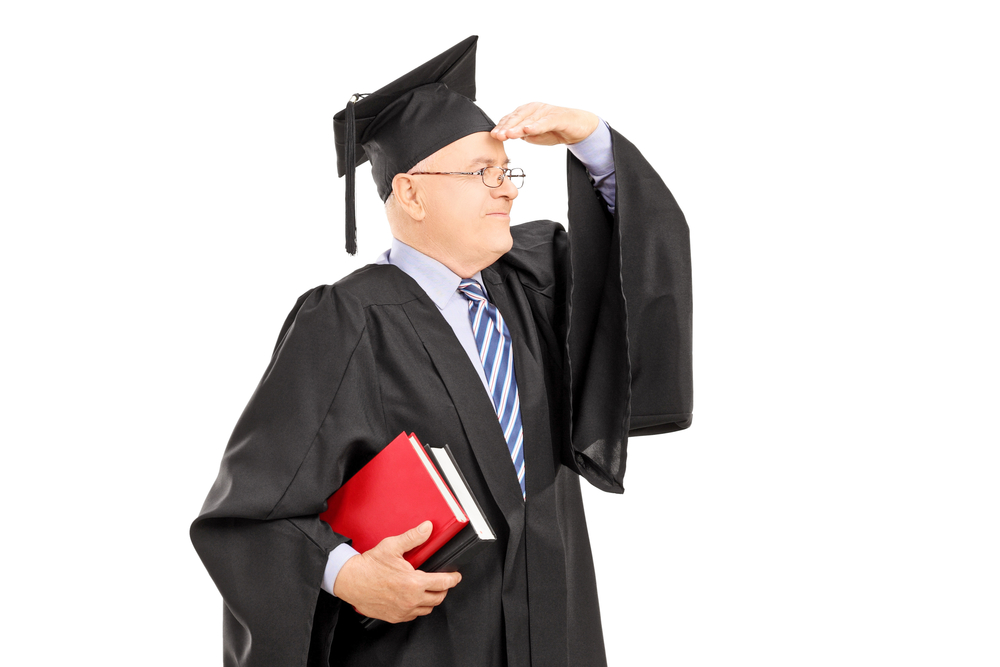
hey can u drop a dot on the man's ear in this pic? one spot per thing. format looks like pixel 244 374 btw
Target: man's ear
pixel 408 196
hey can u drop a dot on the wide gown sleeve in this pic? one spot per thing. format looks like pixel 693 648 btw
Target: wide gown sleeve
pixel 628 338
pixel 258 533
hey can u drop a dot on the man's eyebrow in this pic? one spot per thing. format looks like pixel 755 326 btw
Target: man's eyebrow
pixel 488 161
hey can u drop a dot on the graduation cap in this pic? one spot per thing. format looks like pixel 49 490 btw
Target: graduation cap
pixel 402 123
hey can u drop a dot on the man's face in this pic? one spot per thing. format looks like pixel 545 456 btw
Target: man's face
pixel 465 219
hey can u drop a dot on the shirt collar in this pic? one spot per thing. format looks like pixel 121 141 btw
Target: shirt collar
pixel 437 280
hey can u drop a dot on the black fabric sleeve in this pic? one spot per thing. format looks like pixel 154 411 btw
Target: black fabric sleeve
pixel 629 315
pixel 259 534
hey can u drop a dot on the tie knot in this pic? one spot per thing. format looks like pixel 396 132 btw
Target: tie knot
pixel 472 290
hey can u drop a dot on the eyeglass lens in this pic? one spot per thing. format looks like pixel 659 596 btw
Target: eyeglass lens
pixel 493 177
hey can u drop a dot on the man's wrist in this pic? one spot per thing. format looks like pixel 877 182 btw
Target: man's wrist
pixel 595 151
pixel 335 561
pixel 593 121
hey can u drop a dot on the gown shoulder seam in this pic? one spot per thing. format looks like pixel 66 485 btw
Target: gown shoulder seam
pixel 319 428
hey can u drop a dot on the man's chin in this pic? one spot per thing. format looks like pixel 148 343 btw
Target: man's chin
pixel 506 244
pixel 497 248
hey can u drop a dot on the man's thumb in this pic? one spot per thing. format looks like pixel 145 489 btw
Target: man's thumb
pixel 414 537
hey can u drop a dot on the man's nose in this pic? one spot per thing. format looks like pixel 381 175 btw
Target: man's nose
pixel 506 189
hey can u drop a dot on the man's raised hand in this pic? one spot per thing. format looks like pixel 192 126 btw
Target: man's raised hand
pixel 381 584
pixel 544 124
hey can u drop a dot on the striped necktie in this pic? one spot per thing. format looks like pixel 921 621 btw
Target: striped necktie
pixel 496 354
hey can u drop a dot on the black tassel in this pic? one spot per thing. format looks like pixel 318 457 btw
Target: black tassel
pixel 351 229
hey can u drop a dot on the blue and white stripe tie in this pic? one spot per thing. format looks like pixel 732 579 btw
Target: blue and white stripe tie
pixel 496 354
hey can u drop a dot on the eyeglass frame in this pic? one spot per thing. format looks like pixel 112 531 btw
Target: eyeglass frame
pixel 504 175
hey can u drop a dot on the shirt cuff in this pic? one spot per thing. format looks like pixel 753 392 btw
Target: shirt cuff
pixel 598 157
pixel 595 152
pixel 334 562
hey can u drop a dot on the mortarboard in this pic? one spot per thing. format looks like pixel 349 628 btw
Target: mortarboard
pixel 402 123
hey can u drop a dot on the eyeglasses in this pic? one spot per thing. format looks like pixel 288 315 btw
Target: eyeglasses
pixel 492 176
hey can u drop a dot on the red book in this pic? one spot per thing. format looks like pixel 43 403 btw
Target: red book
pixel 396 491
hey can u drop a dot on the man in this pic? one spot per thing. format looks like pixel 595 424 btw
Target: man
pixel 591 345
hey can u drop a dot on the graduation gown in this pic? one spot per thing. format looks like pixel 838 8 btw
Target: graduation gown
pixel 600 319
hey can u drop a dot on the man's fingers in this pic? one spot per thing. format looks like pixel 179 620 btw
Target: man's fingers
pixel 530 122
pixel 509 130
pixel 421 611
pixel 511 126
pixel 441 581
pixel 434 599
pixel 504 122
pixel 414 537
pixel 540 122
pixel 517 114
pixel 545 124
pixel 526 127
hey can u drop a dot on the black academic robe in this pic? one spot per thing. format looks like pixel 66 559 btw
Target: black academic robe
pixel 601 324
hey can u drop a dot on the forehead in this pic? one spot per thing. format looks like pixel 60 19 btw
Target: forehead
pixel 477 149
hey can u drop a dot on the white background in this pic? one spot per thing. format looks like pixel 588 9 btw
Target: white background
pixel 168 188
